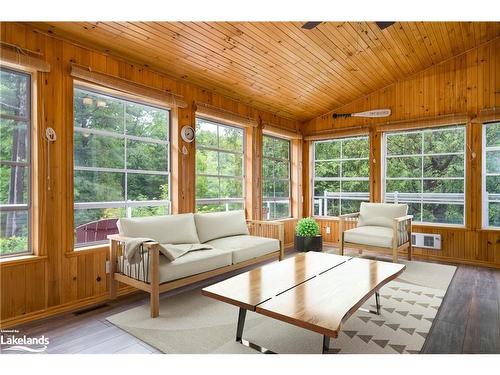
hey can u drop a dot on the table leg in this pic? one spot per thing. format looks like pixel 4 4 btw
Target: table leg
pixel 241 324
pixel 377 301
pixel 326 344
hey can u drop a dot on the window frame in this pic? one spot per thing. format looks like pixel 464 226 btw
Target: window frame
pixel 219 200
pixel 29 164
pixel 484 200
pixel 125 204
pixel 275 199
pixel 422 155
pixel 340 179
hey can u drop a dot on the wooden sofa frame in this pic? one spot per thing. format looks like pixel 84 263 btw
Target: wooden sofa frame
pixel 268 229
pixel 400 226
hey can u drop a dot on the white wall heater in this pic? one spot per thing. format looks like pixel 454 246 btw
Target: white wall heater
pixel 426 240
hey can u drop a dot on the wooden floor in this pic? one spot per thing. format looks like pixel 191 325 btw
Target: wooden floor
pixel 467 322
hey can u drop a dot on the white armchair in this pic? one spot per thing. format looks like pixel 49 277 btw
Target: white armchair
pixel 378 226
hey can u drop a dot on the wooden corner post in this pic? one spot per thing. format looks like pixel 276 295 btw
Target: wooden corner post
pixel 113 284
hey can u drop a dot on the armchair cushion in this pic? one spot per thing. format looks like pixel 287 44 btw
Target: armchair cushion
pixel 380 214
pixel 220 224
pixel 370 235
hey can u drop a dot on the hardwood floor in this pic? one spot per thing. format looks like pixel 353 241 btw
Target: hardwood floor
pixel 467 322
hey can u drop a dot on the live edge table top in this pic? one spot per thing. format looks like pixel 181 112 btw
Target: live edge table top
pixel 316 291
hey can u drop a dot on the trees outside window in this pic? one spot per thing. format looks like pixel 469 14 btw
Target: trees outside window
pixel 121 163
pixel 426 170
pixel 341 172
pixel 219 167
pixel 275 178
pixel 491 173
pixel 15 162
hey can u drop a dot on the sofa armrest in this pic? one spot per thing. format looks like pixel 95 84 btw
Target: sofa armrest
pixel 402 229
pixel 269 229
pixel 345 221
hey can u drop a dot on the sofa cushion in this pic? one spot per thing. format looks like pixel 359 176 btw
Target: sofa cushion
pixel 220 224
pixel 370 235
pixel 171 229
pixel 380 214
pixel 187 265
pixel 245 247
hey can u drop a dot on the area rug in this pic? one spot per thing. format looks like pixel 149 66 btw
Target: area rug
pixel 190 323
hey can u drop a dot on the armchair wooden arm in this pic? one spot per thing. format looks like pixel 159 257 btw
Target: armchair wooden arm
pixel 401 228
pixel 269 229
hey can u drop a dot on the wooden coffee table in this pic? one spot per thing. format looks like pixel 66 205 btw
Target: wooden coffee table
pixel 315 291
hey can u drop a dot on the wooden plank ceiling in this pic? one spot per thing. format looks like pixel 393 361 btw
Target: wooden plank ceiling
pixel 278 66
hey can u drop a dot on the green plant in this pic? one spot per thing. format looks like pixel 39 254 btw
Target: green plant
pixel 307 227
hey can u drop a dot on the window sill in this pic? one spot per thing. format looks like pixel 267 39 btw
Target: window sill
pixel 87 249
pixel 438 225
pixel 22 259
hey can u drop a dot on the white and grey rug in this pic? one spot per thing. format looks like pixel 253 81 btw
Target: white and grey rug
pixel 191 323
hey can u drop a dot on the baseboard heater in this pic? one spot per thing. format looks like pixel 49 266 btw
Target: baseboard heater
pixel 426 240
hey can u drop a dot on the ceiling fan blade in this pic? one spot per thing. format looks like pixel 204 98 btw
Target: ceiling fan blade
pixel 384 25
pixel 310 25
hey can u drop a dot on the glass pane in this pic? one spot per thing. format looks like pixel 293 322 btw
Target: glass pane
pixel 332 207
pixel 146 121
pixel 14 229
pixel 404 144
pixel 99 186
pixel 206 162
pixel 14 185
pixel 443 186
pixel 356 186
pixel 267 168
pixel 493 135
pixel 230 138
pixel 147 156
pixel 282 189
pixel 281 169
pixel 355 148
pixel 276 210
pixel 404 167
pixel 327 169
pixel 404 186
pixel 327 150
pixel 267 147
pixel 231 188
pixel 97 111
pixel 493 184
pixel 230 164
pixel 415 209
pixel 91 150
pixel 324 187
pixel 14 142
pixel 206 134
pixel 94 225
pixel 218 207
pixel 207 187
pixel 494 214
pixel 141 187
pixel 446 140
pixel 443 213
pixel 15 93
pixel 281 149
pixel 150 211
pixel 268 189
pixel 350 206
pixel 492 161
pixel 355 168
pixel 444 166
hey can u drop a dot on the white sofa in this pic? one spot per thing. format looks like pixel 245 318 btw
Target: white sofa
pixel 378 226
pixel 236 243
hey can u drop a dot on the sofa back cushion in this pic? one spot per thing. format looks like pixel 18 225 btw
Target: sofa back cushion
pixel 171 229
pixel 380 214
pixel 220 224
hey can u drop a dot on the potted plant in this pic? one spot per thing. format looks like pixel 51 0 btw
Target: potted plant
pixel 308 235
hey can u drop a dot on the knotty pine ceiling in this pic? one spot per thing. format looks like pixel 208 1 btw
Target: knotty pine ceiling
pixel 278 66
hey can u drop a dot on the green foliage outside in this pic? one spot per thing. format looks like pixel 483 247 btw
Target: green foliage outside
pixel 307 227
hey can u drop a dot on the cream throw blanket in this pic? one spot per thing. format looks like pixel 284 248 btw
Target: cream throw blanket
pixel 172 252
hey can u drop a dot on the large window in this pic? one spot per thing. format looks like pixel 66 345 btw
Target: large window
pixel 426 170
pixel 219 167
pixel 275 178
pixel 121 163
pixel 341 175
pixel 15 161
pixel 491 183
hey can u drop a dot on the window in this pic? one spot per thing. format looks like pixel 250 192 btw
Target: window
pixel 341 175
pixel 426 170
pixel 15 162
pixel 275 178
pixel 219 167
pixel 491 183
pixel 121 163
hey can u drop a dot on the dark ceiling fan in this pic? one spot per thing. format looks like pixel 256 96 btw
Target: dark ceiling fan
pixel 311 25
pixel 384 25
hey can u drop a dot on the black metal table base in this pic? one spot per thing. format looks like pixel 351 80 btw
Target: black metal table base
pixel 326 339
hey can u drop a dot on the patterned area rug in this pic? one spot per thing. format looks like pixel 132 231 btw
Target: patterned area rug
pixel 191 323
